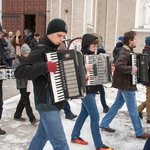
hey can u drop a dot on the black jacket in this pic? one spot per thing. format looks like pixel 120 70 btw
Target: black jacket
pixel 34 67
pixel 147 51
pixel 34 43
pixel 86 41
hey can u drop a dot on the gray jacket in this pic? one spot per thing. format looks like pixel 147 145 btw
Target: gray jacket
pixel 21 83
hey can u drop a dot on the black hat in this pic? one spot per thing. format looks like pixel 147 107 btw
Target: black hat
pixel 36 34
pixel 56 25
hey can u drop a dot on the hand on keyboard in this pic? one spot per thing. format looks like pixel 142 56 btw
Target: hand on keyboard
pixel 89 67
pixel 51 66
pixel 134 69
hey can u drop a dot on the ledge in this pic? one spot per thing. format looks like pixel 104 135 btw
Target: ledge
pixel 141 30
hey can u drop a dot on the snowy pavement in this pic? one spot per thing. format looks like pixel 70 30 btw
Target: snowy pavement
pixel 19 134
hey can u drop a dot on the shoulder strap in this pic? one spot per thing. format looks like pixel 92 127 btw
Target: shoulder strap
pixel 39 45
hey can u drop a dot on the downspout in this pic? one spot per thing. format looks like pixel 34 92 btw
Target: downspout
pixel 116 28
pixel 72 14
pixel 84 20
pixel 95 19
pixel 106 24
pixel 59 9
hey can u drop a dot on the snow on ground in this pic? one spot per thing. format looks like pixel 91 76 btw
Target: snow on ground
pixel 19 134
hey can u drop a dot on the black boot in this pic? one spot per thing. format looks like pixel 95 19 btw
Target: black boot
pixel 140 115
pixel 106 109
pixel 2 131
pixel 70 116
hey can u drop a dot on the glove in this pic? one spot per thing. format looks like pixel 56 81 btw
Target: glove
pixel 51 66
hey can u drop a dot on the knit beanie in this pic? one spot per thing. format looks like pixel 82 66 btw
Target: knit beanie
pixel 56 25
pixel 120 38
pixel 25 49
pixel 147 40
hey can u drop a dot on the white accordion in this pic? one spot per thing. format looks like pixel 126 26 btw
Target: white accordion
pixel 6 73
pixel 101 72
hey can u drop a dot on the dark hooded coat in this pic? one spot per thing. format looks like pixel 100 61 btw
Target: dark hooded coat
pixel 86 41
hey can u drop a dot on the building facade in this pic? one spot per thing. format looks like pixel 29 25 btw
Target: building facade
pixel 108 18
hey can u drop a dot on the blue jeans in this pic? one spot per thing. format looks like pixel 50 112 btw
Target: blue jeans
pixel 88 108
pixel 49 129
pixel 122 97
pixel 102 96
pixel 147 144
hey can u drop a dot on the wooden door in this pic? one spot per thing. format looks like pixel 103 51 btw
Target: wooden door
pixel 14 11
pixel 13 22
pixel 41 24
pixel 12 15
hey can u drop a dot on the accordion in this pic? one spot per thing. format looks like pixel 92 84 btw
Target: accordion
pixel 141 61
pixel 6 73
pixel 69 80
pixel 101 72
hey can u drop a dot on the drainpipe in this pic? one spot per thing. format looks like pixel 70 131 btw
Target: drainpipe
pixel 116 27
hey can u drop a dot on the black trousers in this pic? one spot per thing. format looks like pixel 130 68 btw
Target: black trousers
pixel 24 103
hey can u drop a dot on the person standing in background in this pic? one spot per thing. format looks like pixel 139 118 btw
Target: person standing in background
pixel 24 101
pixel 118 47
pixel 35 41
pixel 2 63
pixel 146 104
pixel 10 36
pixel 9 50
pixel 28 36
pixel 101 88
pixel 17 42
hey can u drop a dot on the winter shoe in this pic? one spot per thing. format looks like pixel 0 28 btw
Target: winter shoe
pixel 144 136
pixel 70 116
pixel 79 141
pixel 141 115
pixel 106 110
pixel 2 132
pixel 104 147
pixel 34 122
pixel 108 129
pixel 20 119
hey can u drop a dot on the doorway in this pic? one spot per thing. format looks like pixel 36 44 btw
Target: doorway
pixel 29 22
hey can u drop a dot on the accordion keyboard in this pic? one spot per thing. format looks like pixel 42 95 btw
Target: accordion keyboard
pixel 56 78
pixel 100 72
pixel 134 63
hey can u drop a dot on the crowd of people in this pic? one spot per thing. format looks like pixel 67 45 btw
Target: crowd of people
pixel 28 58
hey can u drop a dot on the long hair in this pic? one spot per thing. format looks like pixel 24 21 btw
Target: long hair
pixel 128 36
